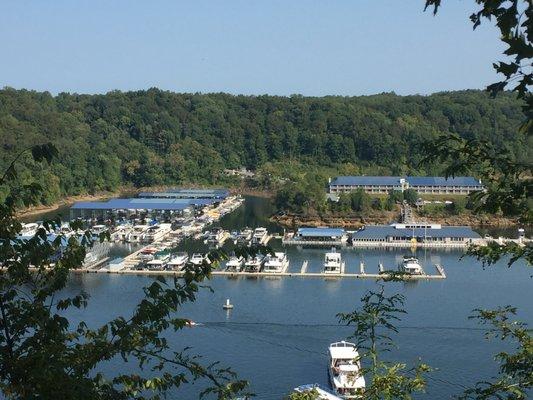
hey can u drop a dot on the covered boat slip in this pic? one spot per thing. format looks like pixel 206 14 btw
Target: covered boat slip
pixel 214 194
pixel 317 236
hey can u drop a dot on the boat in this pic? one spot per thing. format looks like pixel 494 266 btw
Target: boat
pixel 260 236
pixel 321 392
pixel 29 230
pixel 276 263
pixel 120 234
pixel 97 230
pixel 244 236
pixel 235 263
pixel 136 234
pixel 254 264
pixel 199 259
pixel 333 263
pixel 155 233
pixel 147 254
pixel 178 261
pixel 216 236
pixel 227 305
pixel 114 265
pixel 411 266
pixel 345 370
pixel 159 262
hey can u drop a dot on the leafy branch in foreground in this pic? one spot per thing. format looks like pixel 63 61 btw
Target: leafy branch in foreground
pixel 516 369
pixel 374 323
pixel 42 355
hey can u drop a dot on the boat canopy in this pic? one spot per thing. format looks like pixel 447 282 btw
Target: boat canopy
pixel 343 350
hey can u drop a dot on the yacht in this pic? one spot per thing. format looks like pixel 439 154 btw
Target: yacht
pixel 254 264
pixel 411 266
pixel 244 236
pixel 97 230
pixel 235 264
pixel 216 236
pixel 159 262
pixel 120 234
pixel 333 263
pixel 198 259
pixel 178 261
pixel 29 229
pixel 137 233
pixel 260 236
pixel 276 263
pixel 147 254
pixel 345 370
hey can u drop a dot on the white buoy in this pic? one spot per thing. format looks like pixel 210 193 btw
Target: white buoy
pixel 228 305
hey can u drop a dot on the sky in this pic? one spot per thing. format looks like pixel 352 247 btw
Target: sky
pixel 314 48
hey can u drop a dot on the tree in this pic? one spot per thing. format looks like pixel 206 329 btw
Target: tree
pixel 410 196
pixel 43 356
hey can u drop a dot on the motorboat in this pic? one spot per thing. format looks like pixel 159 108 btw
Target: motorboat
pixel 29 229
pixel 254 264
pixel 321 392
pixel 260 236
pixel 345 370
pixel 178 261
pixel 276 263
pixel 235 263
pixel 333 263
pixel 411 266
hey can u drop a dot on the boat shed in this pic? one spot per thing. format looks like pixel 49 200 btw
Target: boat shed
pixel 413 234
pixel 95 209
pixel 218 194
pixel 322 236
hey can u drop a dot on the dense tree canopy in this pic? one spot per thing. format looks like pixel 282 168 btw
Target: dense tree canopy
pixel 155 137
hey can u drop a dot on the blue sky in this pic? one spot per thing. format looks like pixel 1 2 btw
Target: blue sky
pixel 348 47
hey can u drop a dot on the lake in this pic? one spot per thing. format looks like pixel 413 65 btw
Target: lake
pixel 277 335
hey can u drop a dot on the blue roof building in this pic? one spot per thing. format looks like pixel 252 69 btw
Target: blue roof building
pixel 422 184
pixel 219 194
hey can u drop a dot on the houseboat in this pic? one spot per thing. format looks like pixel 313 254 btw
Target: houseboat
pixel 97 230
pixel 136 234
pixel 120 234
pixel 147 254
pixel 159 262
pixel 235 264
pixel 155 233
pixel 199 259
pixel 244 236
pixel 333 263
pixel 345 370
pixel 216 237
pixel 260 236
pixel 276 263
pixel 29 230
pixel 411 266
pixel 254 264
pixel 178 262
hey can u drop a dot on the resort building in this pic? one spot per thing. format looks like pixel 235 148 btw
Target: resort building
pixel 415 234
pixel 422 184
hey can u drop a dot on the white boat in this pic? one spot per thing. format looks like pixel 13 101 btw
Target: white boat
pixel 155 233
pixel 217 236
pixel 254 264
pixel 333 263
pixel 260 236
pixel 147 254
pixel 276 263
pixel 244 236
pixel 321 392
pixel 97 230
pixel 411 266
pixel 120 234
pixel 29 230
pixel 114 265
pixel 178 261
pixel 198 259
pixel 137 233
pixel 159 262
pixel 345 370
pixel 235 264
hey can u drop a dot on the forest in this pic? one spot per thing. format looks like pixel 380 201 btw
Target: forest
pixel 155 137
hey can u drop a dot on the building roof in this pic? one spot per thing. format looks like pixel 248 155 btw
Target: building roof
pixel 139 204
pixel 320 232
pixel 442 181
pixel 366 180
pixel 189 193
pixel 383 231
pixel 412 180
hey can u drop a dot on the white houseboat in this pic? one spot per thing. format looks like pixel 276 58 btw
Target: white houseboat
pixel 155 233
pixel 333 263
pixel 120 234
pixel 260 236
pixel 254 264
pixel 137 233
pixel 345 370
pixel 199 259
pixel 29 230
pixel 159 262
pixel 178 261
pixel 235 264
pixel 411 266
pixel 276 263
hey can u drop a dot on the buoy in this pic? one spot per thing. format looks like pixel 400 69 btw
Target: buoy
pixel 228 305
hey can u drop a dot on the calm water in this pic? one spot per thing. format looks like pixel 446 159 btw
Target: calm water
pixel 277 334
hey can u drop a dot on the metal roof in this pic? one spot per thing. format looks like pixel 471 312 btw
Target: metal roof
pixel 136 204
pixel 442 181
pixel 189 193
pixel 384 231
pixel 412 180
pixel 366 180
pixel 320 232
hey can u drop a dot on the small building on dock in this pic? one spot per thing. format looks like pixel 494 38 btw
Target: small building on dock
pixel 415 234
pixel 317 236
